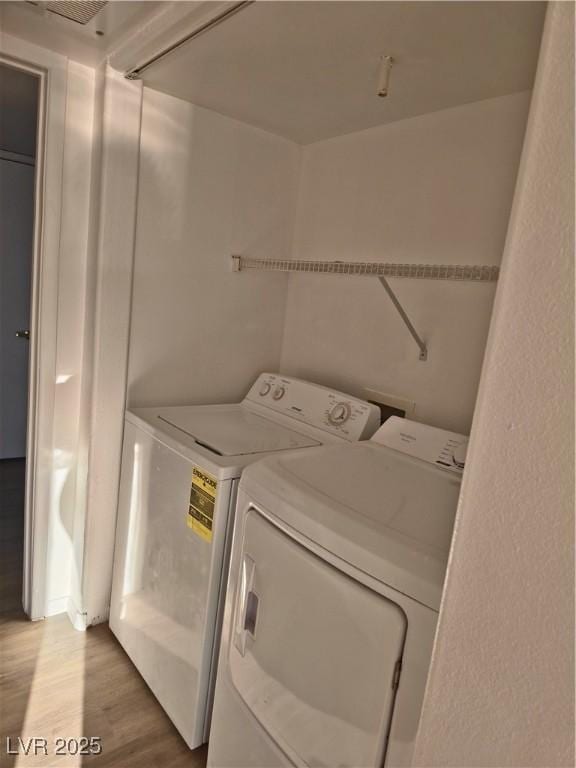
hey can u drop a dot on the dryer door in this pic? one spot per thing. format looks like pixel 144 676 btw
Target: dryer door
pixel 314 653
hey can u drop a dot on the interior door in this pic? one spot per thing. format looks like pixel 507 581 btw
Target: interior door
pixel 16 243
pixel 314 653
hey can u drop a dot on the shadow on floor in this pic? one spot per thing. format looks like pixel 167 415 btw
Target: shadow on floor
pixel 120 708
pixel 60 684
pixel 18 647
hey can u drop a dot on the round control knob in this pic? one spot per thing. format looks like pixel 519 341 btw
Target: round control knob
pixel 264 389
pixel 339 414
pixel 459 455
pixel 279 393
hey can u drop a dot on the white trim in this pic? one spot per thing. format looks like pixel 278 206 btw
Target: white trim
pixel 55 606
pixel 172 21
pixel 200 28
pixel 51 69
pixel 109 371
pixel 80 168
pixel 77 618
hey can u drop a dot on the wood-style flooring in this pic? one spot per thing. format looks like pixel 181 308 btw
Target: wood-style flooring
pixel 57 683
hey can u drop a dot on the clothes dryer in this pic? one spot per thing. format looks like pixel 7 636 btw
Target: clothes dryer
pixel 336 575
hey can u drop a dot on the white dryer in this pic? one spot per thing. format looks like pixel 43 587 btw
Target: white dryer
pixel 337 569
pixel 180 470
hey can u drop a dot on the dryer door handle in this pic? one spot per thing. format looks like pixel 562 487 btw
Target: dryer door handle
pixel 246 605
pixel 250 613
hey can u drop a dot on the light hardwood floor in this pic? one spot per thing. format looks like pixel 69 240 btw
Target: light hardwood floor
pixel 56 682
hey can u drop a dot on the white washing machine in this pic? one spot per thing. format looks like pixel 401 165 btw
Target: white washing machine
pixel 180 470
pixel 337 569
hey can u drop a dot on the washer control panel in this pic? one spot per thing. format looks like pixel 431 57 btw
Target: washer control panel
pixel 329 410
pixel 437 446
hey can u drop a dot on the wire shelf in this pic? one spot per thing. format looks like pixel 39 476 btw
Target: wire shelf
pixel 460 273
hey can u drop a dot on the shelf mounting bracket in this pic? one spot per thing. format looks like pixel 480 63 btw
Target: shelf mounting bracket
pixel 400 309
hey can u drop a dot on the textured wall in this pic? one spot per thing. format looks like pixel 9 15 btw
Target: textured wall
pixel 501 684
pixel 434 189
pixel 209 187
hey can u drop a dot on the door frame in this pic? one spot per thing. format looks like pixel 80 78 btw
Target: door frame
pixel 51 70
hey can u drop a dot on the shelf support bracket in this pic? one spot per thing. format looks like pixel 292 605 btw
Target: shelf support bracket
pixel 400 309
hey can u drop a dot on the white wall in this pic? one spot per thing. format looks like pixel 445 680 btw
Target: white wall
pixel 436 189
pixel 76 604
pixel 501 686
pixel 209 187
pixel 72 276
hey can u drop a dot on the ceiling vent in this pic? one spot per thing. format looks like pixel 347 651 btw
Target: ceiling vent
pixel 75 10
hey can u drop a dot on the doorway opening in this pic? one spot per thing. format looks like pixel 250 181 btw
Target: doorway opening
pixel 20 94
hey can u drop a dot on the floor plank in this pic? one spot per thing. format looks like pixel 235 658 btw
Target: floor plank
pixel 12 474
pixel 56 682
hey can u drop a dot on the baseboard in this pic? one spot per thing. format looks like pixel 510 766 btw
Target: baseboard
pixel 100 618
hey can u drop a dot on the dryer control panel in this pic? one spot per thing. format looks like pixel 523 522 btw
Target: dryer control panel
pixel 321 407
pixel 437 446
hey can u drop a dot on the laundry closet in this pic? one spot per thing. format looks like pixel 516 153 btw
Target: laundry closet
pixel 300 280
pixel 265 137
pixel 324 192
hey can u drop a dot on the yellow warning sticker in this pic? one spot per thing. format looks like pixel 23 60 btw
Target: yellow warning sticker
pixel 202 503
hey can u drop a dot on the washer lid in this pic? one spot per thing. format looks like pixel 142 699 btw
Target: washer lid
pixel 230 430
pixel 384 512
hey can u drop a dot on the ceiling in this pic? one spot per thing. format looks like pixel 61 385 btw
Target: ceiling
pixel 88 43
pixel 309 70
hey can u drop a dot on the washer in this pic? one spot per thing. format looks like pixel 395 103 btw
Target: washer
pixel 180 471
pixel 336 575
